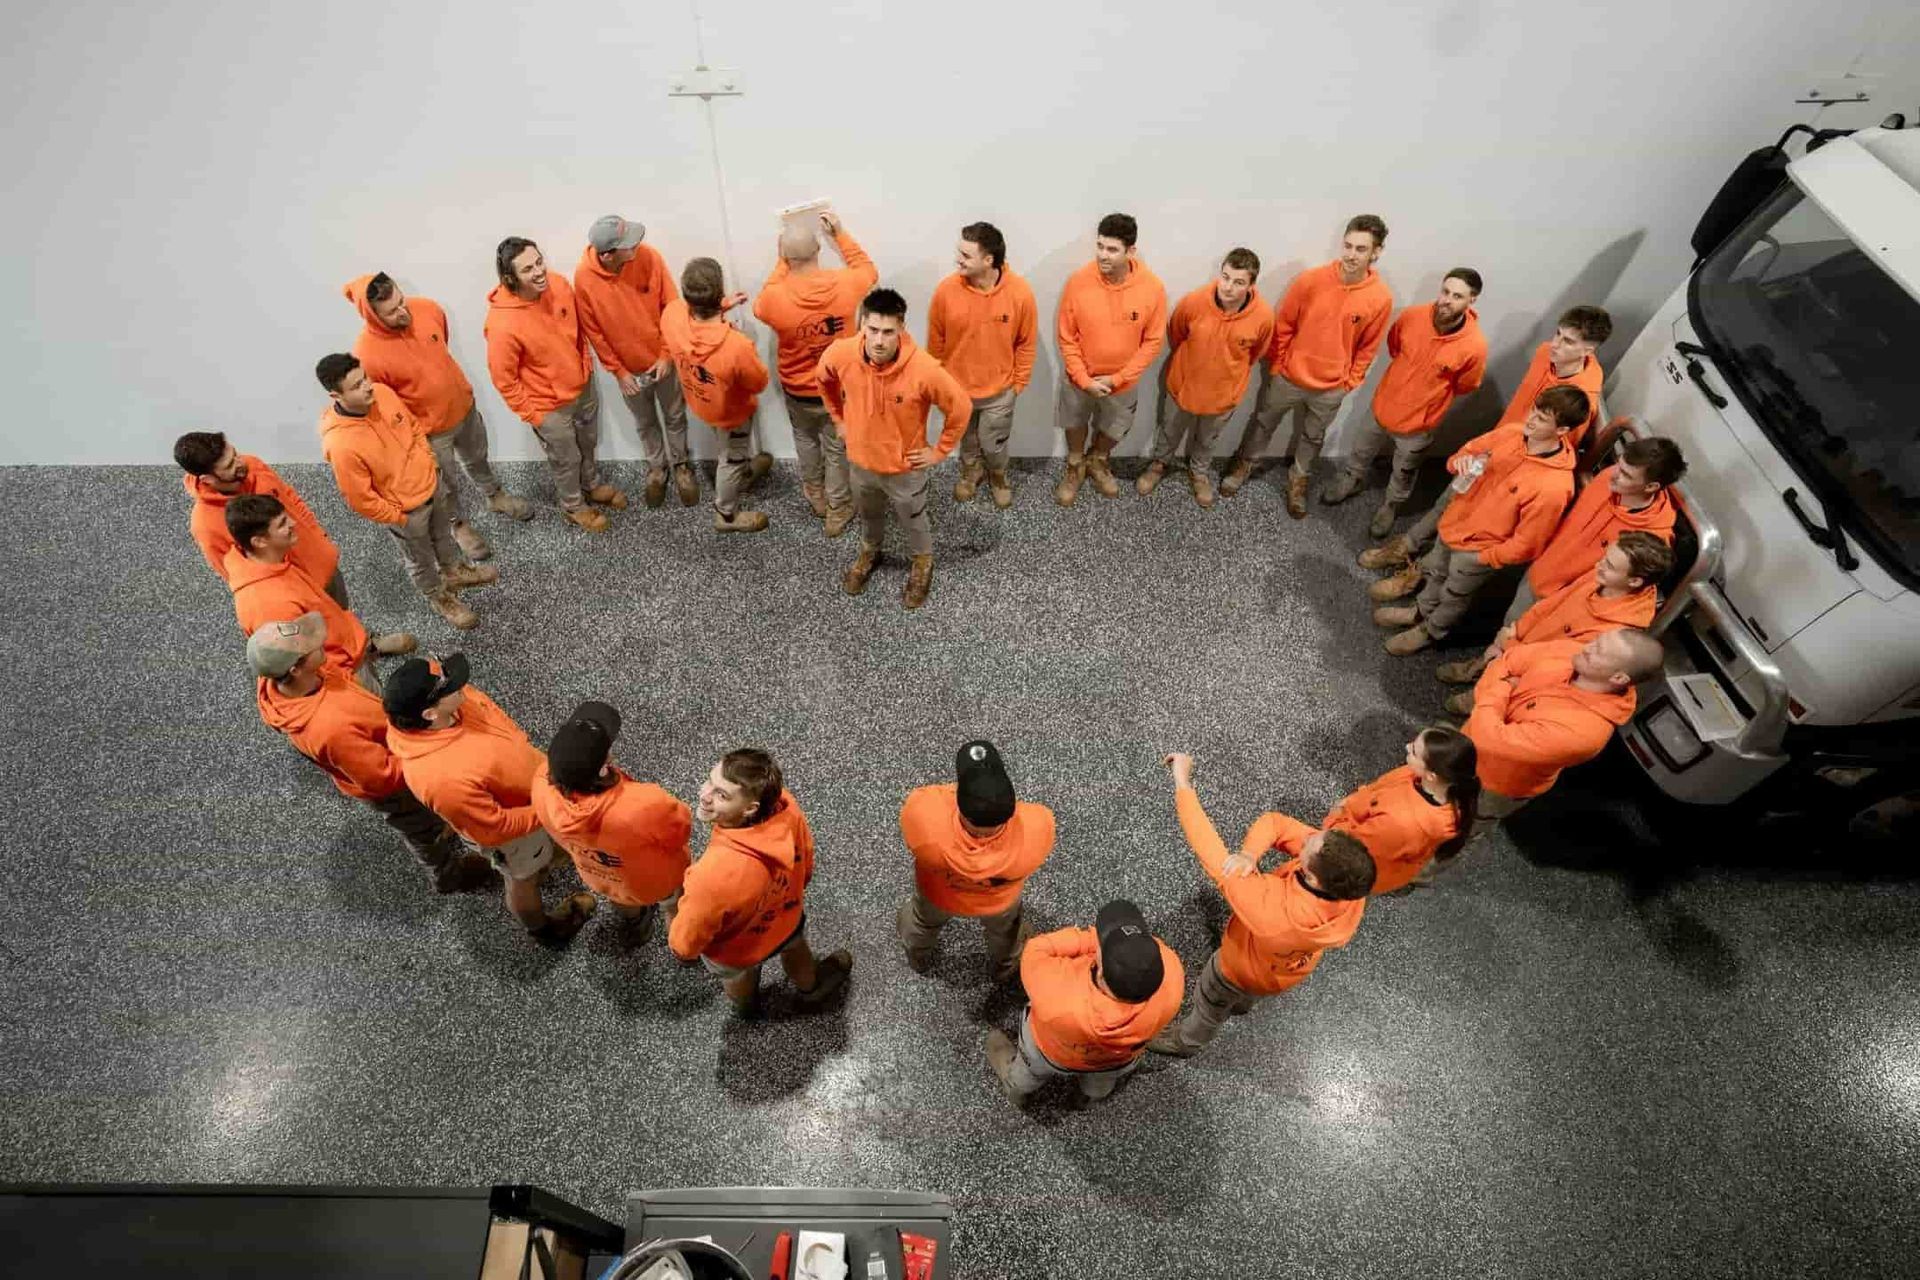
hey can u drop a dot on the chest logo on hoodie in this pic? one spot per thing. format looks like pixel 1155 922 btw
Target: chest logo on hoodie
pixel 1133 317
pixel 701 375
pixel 899 399
pixel 1004 318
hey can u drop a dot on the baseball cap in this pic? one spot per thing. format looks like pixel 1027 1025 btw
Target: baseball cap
pixel 1130 961
pixel 417 684
pixel 277 647
pixel 985 791
pixel 615 232
pixel 580 745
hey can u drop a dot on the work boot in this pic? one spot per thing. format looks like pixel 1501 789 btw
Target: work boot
pixel 460 872
pixel 816 496
pixel 1000 1055
pixel 1100 471
pixel 1412 640
pixel 448 606
pixel 393 643
pixel 686 485
pixel 854 581
pixel 969 482
pixel 1201 486
pixel 470 575
pixel 918 961
pixel 1344 486
pixel 1069 487
pixel 740 522
pixel 656 490
pixel 636 927
pixel 607 496
pixel 587 518
pixel 1170 1043
pixel 472 545
pixel 1150 478
pixel 573 915
pixel 1465 671
pixel 1236 478
pixel 1382 523
pixel 1397 585
pixel 1297 497
pixel 838 518
pixel 758 468
pixel 505 504
pixel 1001 487
pixel 1391 554
pixel 919 582
pixel 828 977
pixel 1396 616
pixel 1461 703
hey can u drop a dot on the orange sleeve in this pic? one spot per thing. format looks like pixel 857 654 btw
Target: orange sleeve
pixel 1393 335
pixel 597 336
pixel 1026 330
pixel 1534 742
pixel 1066 332
pixel 937 323
pixel 504 358
pixel 1274 831
pixel 1540 513
pixel 663 280
pixel 1154 339
pixel 1181 324
pixel 296 505
pixel 355 480
pixel 368 763
pixel 764 301
pixel 1044 953
pixel 750 372
pixel 484 819
pixel 1369 345
pixel 203 540
pixel 956 407
pixel 856 259
pixel 832 394
pixel 1482 443
pixel 1258 896
pixel 1471 374
pixel 700 919
pixel 1286 322
pixel 1493 690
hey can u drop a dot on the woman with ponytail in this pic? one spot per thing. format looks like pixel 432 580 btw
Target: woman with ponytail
pixel 1421 811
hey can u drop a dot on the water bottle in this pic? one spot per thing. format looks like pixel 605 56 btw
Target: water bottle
pixel 1475 465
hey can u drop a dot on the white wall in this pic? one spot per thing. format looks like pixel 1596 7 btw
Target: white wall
pixel 192 183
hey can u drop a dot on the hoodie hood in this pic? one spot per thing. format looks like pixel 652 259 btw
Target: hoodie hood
pixel 1117 1021
pixel 1002 855
pixel 501 298
pixel 289 715
pixel 1318 921
pixel 880 382
pixel 420 744
pixel 773 841
pixel 356 291
pixel 200 489
pixel 698 338
pixel 244 571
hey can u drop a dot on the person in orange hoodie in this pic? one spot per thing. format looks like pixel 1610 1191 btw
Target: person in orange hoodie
pixel 1437 353
pixel 539 357
pixel 1519 479
pixel 470 763
pixel 628 839
pixel 1542 708
pixel 809 307
pixel 1111 325
pixel 982 325
pixel 745 899
pixel 1283 920
pixel 1418 814
pixel 217 472
pixel 1216 334
pixel 385 469
pixel 1622 590
pixel 879 388
pixel 342 728
pixel 721 376
pixel 1567 359
pixel 973 844
pixel 623 287
pixel 1095 998
pixel 1326 329
pixel 268 587
pixel 403 344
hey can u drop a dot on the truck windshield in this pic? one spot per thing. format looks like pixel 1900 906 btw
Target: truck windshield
pixel 1819 345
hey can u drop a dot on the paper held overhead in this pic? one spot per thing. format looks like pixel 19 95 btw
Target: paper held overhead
pixel 806 214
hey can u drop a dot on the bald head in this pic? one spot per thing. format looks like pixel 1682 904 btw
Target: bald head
pixel 799 243
pixel 1619 659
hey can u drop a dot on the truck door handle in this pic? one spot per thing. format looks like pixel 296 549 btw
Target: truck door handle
pixel 1821 535
pixel 1698 373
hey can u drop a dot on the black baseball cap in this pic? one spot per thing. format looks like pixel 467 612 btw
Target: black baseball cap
pixel 580 745
pixel 985 791
pixel 1130 961
pixel 417 684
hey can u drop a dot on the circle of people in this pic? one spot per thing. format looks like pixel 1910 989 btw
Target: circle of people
pixel 462 784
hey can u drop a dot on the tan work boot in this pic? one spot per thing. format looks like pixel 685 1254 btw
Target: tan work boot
pixel 1344 486
pixel 1297 497
pixel 1100 471
pixel 656 490
pixel 505 504
pixel 1069 487
pixel 393 643
pixel 919 582
pixel 1412 640
pixel 829 975
pixel 448 606
pixel 1000 1055
pixel 838 518
pixel 1461 703
pixel 686 485
pixel 1150 478
pixel 1001 488
pixel 854 581
pixel 740 522
pixel 918 961
pixel 1396 616
pixel 1391 554
pixel 589 519
pixel 563 924
pixel 816 496
pixel 607 496
pixel 469 575
pixel 472 545
pixel 1465 671
pixel 761 464
pixel 969 482
pixel 1170 1043
pixel 1236 478
pixel 1397 585
pixel 1201 486
pixel 1382 523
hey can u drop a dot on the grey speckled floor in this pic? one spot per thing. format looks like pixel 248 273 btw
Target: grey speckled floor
pixel 1610 1046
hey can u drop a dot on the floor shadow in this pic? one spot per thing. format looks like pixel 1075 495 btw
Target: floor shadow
pixel 774 1053
pixel 1103 1140
pixel 499 946
pixel 644 979
pixel 371 872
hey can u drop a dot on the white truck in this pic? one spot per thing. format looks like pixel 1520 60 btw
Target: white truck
pixel 1788 369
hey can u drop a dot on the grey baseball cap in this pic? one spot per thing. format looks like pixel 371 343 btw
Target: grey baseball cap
pixel 275 648
pixel 615 232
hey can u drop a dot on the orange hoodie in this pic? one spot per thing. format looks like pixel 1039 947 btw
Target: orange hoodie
pixel 1427 369
pixel 1325 332
pixel 1111 330
pixel 1529 721
pixel 1076 1025
pixel 1213 352
pixel 1279 927
pixel 985 338
pixel 809 312
pixel 883 412
pixel 1579 612
pixel 1540 375
pixel 620 310
pixel 342 728
pixel 264 592
pixel 746 895
pixel 381 461
pixel 414 361
pixel 628 842
pixel 1400 826
pixel 536 351
pixel 478 775
pixel 1596 518
pixel 313 551
pixel 965 874
pixel 1512 509
pixel 720 372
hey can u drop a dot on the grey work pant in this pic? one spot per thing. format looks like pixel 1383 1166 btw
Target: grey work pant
pixel 1109 416
pixel 1452 579
pixel 1523 600
pixel 1005 932
pixel 426 541
pixel 570 435
pixel 905 493
pixel 988 431
pixel 1313 411
pixel 337 588
pixel 1427 527
pixel 425 831
pixel 1199 430
pixel 821 452
pixel 468 442
pixel 1031 1069
pixel 660 412
pixel 1409 451
pixel 736 465
pixel 1214 1001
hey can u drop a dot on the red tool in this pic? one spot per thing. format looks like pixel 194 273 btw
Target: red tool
pixel 782 1257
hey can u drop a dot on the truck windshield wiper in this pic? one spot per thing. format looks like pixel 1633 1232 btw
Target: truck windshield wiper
pixel 1826 535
